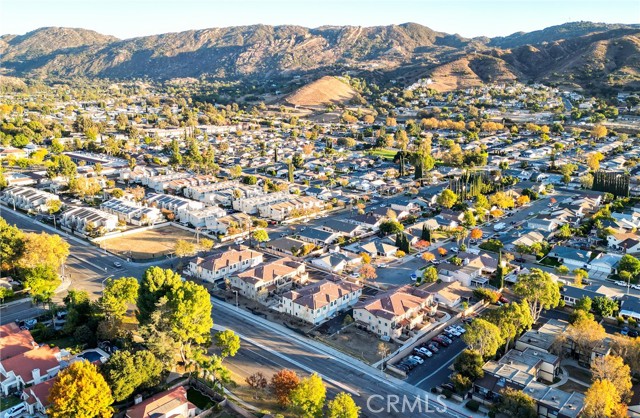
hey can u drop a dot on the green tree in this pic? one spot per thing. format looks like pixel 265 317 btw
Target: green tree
pixel 235 171
pixel 512 319
pixel 297 160
pixel 42 281
pixel 117 294
pixel 447 198
pixel 80 391
pixel 184 248
pixel 391 227
pixel 61 165
pixel 190 318
pixel 156 283
pixel 228 342
pixel 540 290
pixel 484 337
pixel 125 372
pixel 307 399
pixel 11 245
pixel 605 307
pixel 430 275
pixel 342 406
pixel 53 206
pixel 469 219
pixel 260 235
pixel 469 363
pixel 516 403
pixel 564 232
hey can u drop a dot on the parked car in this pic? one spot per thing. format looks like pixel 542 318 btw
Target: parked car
pixel 624 331
pixel 15 410
pixel 446 339
pixel 621 283
pixel 503 299
pixel 633 286
pixel 433 347
pixel 633 333
pixel 414 277
pixel 448 386
pixel 416 359
pixel 461 329
pixel 423 351
pixel 455 249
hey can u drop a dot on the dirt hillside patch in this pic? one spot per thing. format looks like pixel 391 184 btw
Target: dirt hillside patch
pixel 324 91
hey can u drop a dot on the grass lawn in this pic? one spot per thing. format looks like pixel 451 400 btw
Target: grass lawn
pixel 384 153
pixel 60 341
pixel 579 374
pixel 8 402
pixel 550 262
pixel 198 399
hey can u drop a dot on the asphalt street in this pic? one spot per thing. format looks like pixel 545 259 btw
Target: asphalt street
pixel 265 345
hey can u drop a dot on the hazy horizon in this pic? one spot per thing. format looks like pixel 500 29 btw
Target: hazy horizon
pixel 130 19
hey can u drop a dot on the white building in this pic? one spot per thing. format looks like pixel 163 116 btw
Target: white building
pixel 220 266
pixel 318 302
pixel 267 279
pixel 79 217
pixel 205 218
pixel 132 212
pixel 178 205
pixel 28 198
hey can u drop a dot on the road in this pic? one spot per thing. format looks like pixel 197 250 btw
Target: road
pixel 87 266
pixel 272 349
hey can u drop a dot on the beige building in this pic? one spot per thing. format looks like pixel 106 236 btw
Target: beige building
pixel 223 265
pixel 319 301
pixel 267 279
pixel 392 313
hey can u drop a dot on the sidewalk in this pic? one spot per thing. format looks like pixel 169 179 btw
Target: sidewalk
pixel 453 409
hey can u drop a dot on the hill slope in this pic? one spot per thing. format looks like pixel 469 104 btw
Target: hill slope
pixel 326 90
pixel 403 52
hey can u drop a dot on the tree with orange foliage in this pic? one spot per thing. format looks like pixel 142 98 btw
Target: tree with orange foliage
pixel 368 272
pixel 442 251
pixel 523 200
pixel 476 233
pixel 428 257
pixel 283 383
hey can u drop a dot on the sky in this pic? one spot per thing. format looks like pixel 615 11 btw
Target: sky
pixel 469 18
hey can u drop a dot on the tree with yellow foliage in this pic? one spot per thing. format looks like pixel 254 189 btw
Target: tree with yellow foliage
pixel 603 400
pixel 599 131
pixel 613 369
pixel 593 160
pixel 80 391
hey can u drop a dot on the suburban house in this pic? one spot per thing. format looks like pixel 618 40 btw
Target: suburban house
pixel 542 223
pixel 292 207
pixel 377 248
pixel 469 276
pixel 627 242
pixel 366 221
pixel 206 217
pixel 36 397
pixel 267 279
pixel 79 218
pixel 230 224
pixel 285 245
pixel 571 294
pixel 342 228
pixel 450 294
pixel 630 307
pixel 573 258
pixel 395 312
pixel 168 404
pixel 318 302
pixel 222 265
pixel 543 338
pixel 24 362
pixel 336 261
pixel 28 198
pixel 318 237
pixel 527 239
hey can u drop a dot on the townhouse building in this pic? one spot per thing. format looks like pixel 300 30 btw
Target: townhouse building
pixel 270 278
pixel 28 198
pixel 131 212
pixel 79 218
pixel 222 265
pixel 179 206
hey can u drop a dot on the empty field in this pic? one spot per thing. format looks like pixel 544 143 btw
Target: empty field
pixel 147 244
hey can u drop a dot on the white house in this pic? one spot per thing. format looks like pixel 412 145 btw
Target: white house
pixel 222 265
pixel 394 312
pixel 79 218
pixel 28 198
pixel 317 302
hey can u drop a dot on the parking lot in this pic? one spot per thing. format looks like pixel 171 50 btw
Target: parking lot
pixel 435 370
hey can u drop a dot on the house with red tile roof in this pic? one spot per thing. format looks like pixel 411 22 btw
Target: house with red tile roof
pixel 36 397
pixel 395 311
pixel 29 368
pixel 14 341
pixel 223 265
pixel 259 282
pixel 317 302
pixel 169 404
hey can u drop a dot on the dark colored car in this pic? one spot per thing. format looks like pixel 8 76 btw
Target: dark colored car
pixel 503 299
pixel 433 347
pixel 448 386
pixel 633 333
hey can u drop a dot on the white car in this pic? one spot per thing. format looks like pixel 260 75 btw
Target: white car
pixel 16 410
pixel 455 249
pixel 355 275
pixel 621 283
pixel 635 286
pixel 460 329
pixel 117 264
pixel 416 359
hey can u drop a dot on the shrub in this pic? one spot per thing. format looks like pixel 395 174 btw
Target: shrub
pixel 487 295
pixel 473 405
pixel 632 322
pixel 620 320
pixel 447 393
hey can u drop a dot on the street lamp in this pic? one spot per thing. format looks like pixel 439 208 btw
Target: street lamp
pixel 236 292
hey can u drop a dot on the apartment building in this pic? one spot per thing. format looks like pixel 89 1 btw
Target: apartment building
pixel 79 218
pixel 267 279
pixel 178 205
pixel 394 312
pixel 250 205
pixel 132 212
pixel 318 302
pixel 222 265
pixel 206 217
pixel 27 198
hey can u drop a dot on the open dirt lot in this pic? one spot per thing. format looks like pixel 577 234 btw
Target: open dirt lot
pixel 148 244
pixel 358 343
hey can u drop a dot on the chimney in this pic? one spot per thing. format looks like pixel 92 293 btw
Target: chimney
pixel 137 399
pixel 36 374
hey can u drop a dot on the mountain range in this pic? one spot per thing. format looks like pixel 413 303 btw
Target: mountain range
pixel 582 54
